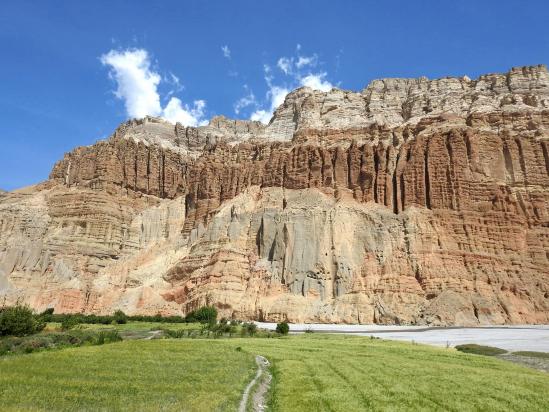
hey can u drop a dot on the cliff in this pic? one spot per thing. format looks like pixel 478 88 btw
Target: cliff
pixel 413 201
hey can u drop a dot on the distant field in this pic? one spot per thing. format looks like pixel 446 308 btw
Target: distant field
pixel 312 372
pixel 137 330
pixel 145 326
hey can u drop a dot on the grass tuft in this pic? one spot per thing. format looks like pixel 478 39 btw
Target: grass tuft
pixel 480 349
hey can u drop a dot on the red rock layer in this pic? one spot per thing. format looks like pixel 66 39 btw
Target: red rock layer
pixel 461 168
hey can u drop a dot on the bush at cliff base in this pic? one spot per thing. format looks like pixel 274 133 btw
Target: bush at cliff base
pixel 283 328
pixel 19 321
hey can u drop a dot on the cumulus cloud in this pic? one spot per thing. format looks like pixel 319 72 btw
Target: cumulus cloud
pixel 226 51
pixel 137 85
pixel 316 81
pixel 298 70
pixel 175 111
pixel 276 96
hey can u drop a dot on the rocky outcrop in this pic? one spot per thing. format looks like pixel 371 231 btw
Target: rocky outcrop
pixel 413 201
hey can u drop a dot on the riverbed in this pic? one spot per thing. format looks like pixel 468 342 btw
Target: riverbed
pixel 511 338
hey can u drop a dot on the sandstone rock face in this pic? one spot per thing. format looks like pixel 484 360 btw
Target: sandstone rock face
pixel 413 201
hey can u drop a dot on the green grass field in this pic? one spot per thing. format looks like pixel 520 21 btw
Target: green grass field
pixel 312 372
pixel 130 330
pixel 132 376
pixel 131 326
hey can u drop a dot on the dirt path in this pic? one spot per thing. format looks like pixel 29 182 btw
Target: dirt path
pixel 264 378
pixel 153 334
pixel 531 362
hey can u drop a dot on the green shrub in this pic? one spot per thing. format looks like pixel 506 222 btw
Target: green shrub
pixel 19 321
pixel 250 328
pixel 282 328
pixel 69 322
pixel 108 336
pixel 175 334
pixel 47 315
pixel 205 314
pixel 120 317
pixel 52 340
pixel 480 349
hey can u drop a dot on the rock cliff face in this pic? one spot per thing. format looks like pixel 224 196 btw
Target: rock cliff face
pixel 413 201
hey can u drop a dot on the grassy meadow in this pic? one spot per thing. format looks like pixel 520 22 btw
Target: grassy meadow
pixel 134 375
pixel 131 330
pixel 312 372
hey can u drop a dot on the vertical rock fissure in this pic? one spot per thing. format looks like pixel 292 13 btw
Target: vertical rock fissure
pixel 310 175
pixel 386 190
pixel 285 238
pixel 162 174
pixel 469 150
pixel 402 193
pixel 510 174
pixel 395 187
pixel 148 169
pixel 333 157
pixel 135 169
pixel 259 238
pixel 124 177
pixel 450 176
pixel 284 186
pixel 521 161
pixel 360 179
pixel 545 156
pixel 349 161
pixel 376 168
pixel 334 259
pixel 322 161
pixel 427 179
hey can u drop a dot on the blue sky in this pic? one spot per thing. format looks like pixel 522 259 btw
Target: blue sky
pixel 71 71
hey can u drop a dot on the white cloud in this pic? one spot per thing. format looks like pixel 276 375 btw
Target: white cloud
pixel 175 111
pixel 297 72
pixel 173 80
pixel 285 64
pixel 276 96
pixel 317 82
pixel 303 61
pixel 246 101
pixel 262 116
pixel 137 85
pixel 226 51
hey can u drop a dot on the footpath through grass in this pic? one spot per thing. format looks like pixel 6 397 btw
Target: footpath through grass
pixel 312 372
